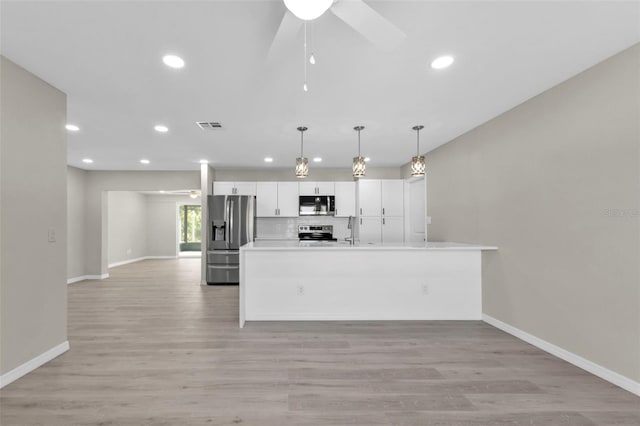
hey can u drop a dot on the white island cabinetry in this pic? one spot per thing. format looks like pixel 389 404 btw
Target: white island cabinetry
pixel 427 281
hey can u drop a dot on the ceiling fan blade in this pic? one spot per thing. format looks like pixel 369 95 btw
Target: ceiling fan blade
pixel 369 23
pixel 285 36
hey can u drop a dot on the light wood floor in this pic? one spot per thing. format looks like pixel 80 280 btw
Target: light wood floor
pixel 149 346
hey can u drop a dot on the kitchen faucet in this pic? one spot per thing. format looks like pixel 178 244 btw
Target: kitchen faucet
pixel 350 227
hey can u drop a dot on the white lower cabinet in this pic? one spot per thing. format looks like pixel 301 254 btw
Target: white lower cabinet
pixel 370 230
pixel 277 199
pixel 392 229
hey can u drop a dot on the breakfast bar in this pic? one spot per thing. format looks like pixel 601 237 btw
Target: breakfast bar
pixel 324 281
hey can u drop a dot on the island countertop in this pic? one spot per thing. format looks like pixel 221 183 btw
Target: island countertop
pixel 287 245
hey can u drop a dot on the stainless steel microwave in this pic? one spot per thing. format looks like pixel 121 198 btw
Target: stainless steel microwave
pixel 317 205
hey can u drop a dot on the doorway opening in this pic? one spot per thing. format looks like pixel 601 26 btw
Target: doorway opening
pixel 190 219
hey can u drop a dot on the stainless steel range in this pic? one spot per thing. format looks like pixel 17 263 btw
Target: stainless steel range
pixel 316 233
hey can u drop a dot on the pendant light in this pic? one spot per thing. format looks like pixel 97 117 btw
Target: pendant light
pixel 308 10
pixel 418 166
pixel 302 164
pixel 359 165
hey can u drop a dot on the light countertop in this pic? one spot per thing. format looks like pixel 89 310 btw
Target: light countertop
pixel 288 245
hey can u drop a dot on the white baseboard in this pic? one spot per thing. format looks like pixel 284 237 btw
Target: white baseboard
pixel 125 262
pixel 593 368
pixel 29 366
pixel 138 259
pixel 87 277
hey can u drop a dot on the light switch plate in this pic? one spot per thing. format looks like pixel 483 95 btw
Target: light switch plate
pixel 52 235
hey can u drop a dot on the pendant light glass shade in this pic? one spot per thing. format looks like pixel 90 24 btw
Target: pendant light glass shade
pixel 302 163
pixel 418 166
pixel 359 165
pixel 302 167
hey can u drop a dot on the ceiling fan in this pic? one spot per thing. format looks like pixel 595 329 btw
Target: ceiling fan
pixel 355 13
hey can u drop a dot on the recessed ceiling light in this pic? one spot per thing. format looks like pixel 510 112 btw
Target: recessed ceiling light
pixel 87 160
pixel 160 128
pixel 442 62
pixel 72 127
pixel 268 160
pixel 204 161
pixel 317 160
pixel 367 159
pixel 173 61
pixel 145 161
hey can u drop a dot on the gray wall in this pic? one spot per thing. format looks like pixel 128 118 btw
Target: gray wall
pixel 76 179
pixel 162 223
pixel 127 226
pixel 554 183
pixel 98 183
pixel 315 174
pixel 33 183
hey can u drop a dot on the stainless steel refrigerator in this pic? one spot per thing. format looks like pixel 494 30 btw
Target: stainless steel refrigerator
pixel 231 224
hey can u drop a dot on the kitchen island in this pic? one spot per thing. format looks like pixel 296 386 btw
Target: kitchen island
pixel 321 281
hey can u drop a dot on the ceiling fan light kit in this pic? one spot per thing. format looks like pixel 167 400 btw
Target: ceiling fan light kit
pixel 308 10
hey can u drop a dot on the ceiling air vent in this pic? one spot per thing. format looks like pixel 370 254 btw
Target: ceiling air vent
pixel 209 125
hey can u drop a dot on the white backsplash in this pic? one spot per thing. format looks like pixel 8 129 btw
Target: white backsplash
pixel 287 227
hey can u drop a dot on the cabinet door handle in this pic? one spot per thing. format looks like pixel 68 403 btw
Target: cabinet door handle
pixel 360 210
pixel 360 221
pixel 383 210
pixel 383 221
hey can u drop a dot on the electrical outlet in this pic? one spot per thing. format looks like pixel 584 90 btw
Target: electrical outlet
pixel 425 289
pixel 300 290
pixel 52 235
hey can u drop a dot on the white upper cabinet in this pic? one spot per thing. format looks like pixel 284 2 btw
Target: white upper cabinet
pixel 369 198
pixel 288 201
pixel 345 199
pixel 234 188
pixel 316 188
pixel 277 199
pixel 392 194
pixel 267 199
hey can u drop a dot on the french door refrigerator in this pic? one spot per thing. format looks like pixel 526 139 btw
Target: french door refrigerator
pixel 231 224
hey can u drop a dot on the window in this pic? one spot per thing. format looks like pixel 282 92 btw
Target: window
pixel 190 224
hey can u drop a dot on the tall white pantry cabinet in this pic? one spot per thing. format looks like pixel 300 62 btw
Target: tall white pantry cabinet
pixel 381 211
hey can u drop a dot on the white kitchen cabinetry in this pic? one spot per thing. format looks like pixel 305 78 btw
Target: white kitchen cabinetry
pixel 370 229
pixel 393 229
pixel 381 211
pixel 369 198
pixel 316 188
pixel 234 188
pixel 345 199
pixel 277 199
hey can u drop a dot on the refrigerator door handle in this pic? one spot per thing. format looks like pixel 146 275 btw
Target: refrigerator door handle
pixel 231 213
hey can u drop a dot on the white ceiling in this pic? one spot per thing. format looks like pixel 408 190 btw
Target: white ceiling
pixel 107 57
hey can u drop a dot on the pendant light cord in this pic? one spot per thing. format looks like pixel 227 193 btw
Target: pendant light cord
pixel 301 144
pixel 358 143
pixel 418 143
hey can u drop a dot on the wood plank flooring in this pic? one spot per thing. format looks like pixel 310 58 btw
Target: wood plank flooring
pixel 150 346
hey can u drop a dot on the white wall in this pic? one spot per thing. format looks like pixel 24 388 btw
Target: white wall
pixel 127 225
pixel 33 191
pixel 163 228
pixel 76 211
